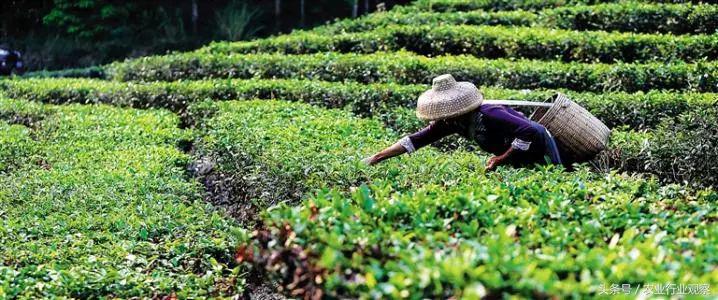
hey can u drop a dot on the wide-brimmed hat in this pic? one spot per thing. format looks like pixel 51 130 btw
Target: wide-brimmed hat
pixel 448 98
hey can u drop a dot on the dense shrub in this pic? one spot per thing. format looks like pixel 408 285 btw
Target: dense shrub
pixel 89 72
pixel 494 5
pixel 16 145
pixel 491 42
pixel 435 225
pixel 103 208
pixel 635 17
pixel 683 149
pixel 636 110
pixel 627 17
pixel 405 68
pixel 396 17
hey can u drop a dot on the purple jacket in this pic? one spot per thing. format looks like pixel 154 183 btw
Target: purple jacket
pixel 495 128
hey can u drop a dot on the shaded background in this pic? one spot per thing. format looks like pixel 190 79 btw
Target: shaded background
pixel 57 34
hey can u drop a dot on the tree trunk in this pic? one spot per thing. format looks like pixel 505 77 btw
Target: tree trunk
pixel 195 16
pixel 277 14
pixel 355 9
pixel 366 6
pixel 302 14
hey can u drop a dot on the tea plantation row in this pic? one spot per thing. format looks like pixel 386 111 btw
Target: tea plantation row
pixel 491 42
pixel 497 5
pixel 406 68
pixel 676 158
pixel 622 16
pixel 635 110
pixel 95 202
pixel 434 224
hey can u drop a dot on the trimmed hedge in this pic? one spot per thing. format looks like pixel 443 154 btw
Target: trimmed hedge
pixel 89 72
pixel 624 16
pixel 638 110
pixel 636 17
pixel 16 145
pixel 494 5
pixel 682 149
pixel 490 42
pixel 103 208
pixel 399 17
pixel 435 225
pixel 405 68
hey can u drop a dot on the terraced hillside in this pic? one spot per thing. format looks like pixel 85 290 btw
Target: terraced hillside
pixel 235 170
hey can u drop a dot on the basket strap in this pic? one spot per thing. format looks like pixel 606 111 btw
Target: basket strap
pixel 517 103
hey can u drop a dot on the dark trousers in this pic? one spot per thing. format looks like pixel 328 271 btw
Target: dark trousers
pixel 542 151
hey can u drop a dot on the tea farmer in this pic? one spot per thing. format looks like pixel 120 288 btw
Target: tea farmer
pixel 456 107
pixel 10 60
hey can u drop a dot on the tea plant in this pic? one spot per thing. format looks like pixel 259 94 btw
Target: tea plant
pixel 99 206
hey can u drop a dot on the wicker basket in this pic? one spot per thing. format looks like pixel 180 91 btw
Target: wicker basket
pixel 579 134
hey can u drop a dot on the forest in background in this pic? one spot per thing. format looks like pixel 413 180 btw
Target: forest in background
pixel 57 34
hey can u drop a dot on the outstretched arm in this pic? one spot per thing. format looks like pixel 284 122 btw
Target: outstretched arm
pixel 408 144
pixel 388 152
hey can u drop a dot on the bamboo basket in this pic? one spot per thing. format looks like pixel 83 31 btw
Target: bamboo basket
pixel 578 133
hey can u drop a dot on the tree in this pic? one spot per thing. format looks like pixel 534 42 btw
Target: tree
pixel 302 14
pixel 90 19
pixel 195 16
pixel 277 15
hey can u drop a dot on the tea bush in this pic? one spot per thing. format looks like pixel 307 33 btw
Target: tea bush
pixel 434 224
pixel 636 110
pixel 490 42
pixel 100 206
pixel 682 150
pixel 495 5
pixel 635 17
pixel 622 16
pixel 15 143
pixel 405 68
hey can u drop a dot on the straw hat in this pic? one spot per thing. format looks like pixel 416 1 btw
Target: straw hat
pixel 448 98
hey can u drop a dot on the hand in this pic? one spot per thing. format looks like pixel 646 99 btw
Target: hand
pixel 369 161
pixel 493 163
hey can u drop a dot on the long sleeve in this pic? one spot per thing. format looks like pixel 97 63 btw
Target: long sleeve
pixel 520 127
pixel 432 133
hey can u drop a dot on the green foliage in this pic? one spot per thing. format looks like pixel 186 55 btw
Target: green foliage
pixel 682 149
pixel 406 68
pixel 236 21
pixel 635 17
pixel 491 42
pixel 96 201
pixel 89 19
pixel 89 72
pixel 435 225
pixel 103 208
pixel 636 110
pixel 495 5
pixel 16 145
pixel 623 16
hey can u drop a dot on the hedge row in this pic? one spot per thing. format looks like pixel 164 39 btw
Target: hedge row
pixel 405 68
pixel 89 72
pixel 435 225
pixel 636 17
pixel 490 42
pixel 682 149
pixel 495 5
pixel 637 110
pixel 15 143
pixel 624 16
pixel 103 208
